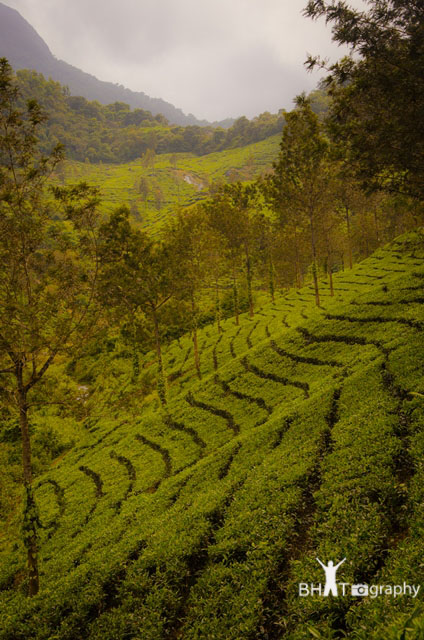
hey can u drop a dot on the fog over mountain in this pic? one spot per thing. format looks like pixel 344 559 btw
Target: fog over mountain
pixel 214 59
pixel 25 49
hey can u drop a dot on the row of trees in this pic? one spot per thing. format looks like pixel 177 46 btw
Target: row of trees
pixel 306 219
pixel 65 274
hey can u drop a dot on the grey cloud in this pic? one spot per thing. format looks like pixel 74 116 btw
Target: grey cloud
pixel 214 58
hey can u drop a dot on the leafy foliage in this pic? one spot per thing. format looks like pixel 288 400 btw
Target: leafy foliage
pixel 377 93
pixel 116 133
pixel 165 517
pixel 39 256
pixel 188 497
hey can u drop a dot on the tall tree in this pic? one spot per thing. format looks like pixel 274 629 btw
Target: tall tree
pixel 148 159
pixel 143 189
pixel 159 198
pixel 218 211
pixel 230 212
pixel 188 239
pixel 350 199
pixel 266 236
pixel 300 186
pixel 243 200
pixel 48 273
pixel 331 240
pixel 378 91
pixel 137 277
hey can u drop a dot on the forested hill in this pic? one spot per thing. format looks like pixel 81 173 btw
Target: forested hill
pixel 25 49
pixel 103 122
pixel 116 133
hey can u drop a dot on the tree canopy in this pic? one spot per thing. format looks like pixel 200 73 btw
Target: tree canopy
pixel 378 91
pixel 48 273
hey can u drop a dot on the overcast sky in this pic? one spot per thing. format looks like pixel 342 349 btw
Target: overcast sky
pixel 213 58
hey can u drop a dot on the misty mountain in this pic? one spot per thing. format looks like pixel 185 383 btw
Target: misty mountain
pixel 25 49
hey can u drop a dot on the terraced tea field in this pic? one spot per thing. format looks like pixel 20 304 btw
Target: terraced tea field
pixel 175 180
pixel 304 438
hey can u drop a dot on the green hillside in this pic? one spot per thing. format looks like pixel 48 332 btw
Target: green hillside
pixel 304 438
pixel 181 178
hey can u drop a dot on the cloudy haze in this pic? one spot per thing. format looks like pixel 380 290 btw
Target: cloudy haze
pixel 213 58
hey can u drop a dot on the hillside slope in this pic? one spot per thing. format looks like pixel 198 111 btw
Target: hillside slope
pixel 304 438
pixel 178 179
pixel 25 49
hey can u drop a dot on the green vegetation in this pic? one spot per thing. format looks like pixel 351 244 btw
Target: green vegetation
pixel 201 521
pixel 193 412
pixel 181 178
pixel 115 133
pixel 37 260
pixel 377 94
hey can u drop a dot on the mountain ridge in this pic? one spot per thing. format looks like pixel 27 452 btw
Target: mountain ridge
pixel 25 49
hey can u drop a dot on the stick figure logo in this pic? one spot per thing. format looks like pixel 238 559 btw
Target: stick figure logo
pixel 330 577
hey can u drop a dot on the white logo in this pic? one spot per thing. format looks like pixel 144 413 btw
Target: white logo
pixel 330 577
pixel 359 589
pixel 335 589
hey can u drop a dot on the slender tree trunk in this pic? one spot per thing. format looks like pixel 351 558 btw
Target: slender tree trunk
pixel 330 275
pixel 349 239
pixel 316 287
pixel 298 275
pixel 367 249
pixel 30 517
pixel 195 342
pixel 161 372
pixel 249 280
pixel 315 265
pixel 235 297
pixel 218 306
pixel 329 263
pixel 271 279
pixel 377 230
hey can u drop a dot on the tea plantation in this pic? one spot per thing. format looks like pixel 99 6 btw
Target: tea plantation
pixel 303 439
pixel 179 179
